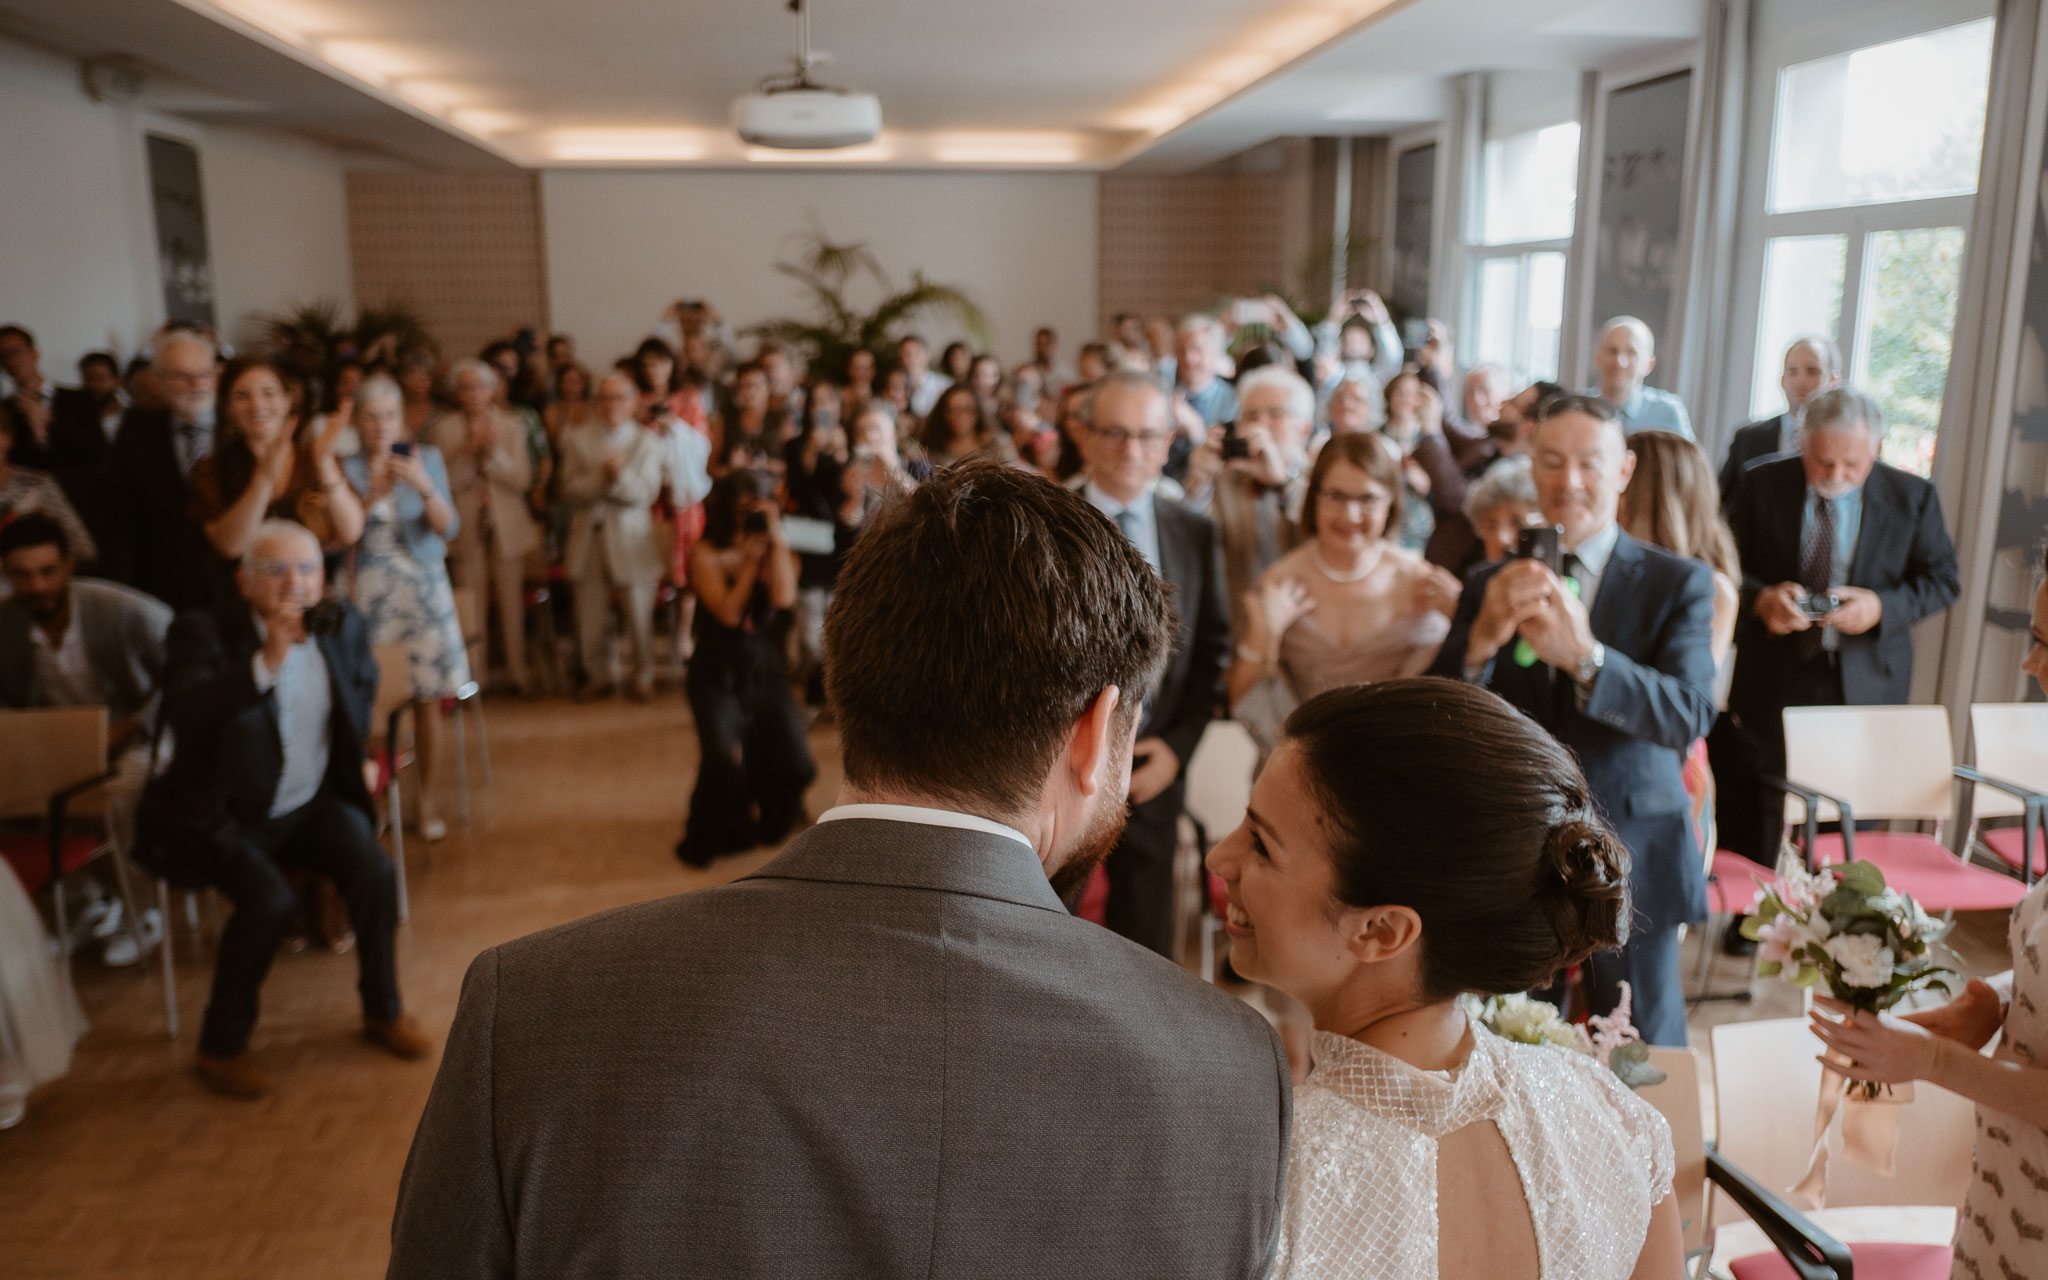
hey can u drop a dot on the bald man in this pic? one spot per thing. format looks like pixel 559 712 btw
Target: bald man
pixel 1812 365
pixel 1624 358
pixel 269 704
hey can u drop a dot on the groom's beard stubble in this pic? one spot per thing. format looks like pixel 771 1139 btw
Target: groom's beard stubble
pixel 1095 843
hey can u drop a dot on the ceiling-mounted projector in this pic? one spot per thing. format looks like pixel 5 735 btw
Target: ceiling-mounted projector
pixel 796 113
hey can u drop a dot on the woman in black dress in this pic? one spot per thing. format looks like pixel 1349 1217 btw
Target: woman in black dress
pixel 754 763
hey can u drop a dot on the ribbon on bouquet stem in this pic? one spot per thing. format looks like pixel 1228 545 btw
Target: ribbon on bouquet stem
pixel 1870 1131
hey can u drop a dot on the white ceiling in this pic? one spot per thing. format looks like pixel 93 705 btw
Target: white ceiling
pixel 1162 84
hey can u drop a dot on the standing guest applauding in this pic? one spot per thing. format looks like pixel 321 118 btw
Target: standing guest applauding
pixel 611 473
pixel 753 762
pixel 400 578
pixel 269 718
pixel 1612 651
pixel 489 471
pixel 258 472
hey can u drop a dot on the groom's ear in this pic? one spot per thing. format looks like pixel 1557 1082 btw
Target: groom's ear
pixel 1380 935
pixel 1090 747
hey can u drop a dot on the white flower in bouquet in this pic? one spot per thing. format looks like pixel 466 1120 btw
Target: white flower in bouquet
pixel 1864 959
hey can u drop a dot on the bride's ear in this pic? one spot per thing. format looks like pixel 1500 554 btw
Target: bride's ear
pixel 1378 935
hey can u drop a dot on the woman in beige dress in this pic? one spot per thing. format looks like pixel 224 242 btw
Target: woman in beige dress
pixel 489 474
pixel 1348 606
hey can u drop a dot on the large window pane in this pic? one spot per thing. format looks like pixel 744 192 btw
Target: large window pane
pixel 1802 295
pixel 1499 280
pixel 1544 309
pixel 1896 121
pixel 1521 314
pixel 1532 183
pixel 1909 313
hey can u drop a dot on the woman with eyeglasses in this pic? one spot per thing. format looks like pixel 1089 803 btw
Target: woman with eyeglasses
pixel 1349 605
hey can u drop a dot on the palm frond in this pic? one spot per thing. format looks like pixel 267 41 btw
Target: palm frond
pixel 398 319
pixel 838 314
pixel 924 297
pixel 840 262
pixel 315 325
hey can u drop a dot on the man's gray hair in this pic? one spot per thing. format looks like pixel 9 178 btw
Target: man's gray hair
pixel 1646 339
pixel 1829 354
pixel 1840 408
pixel 177 337
pixel 1202 323
pixel 378 386
pixel 276 528
pixel 1301 397
pixel 483 369
pixel 1125 380
pixel 1508 481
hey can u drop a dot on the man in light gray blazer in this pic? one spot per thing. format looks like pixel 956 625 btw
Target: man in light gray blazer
pixel 890 1052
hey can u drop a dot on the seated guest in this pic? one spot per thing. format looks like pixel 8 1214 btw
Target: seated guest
pixel 269 719
pixel 1411 843
pixel 258 472
pixel 1624 357
pixel 957 431
pixel 400 570
pixel 1255 499
pixel 1812 365
pixel 753 760
pixel 1348 606
pixel 25 491
pixel 724 1076
pixel 611 474
pixel 67 641
pixel 489 473
pixel 1500 504
pixel 154 543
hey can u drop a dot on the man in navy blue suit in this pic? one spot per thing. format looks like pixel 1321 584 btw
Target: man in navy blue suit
pixel 1613 656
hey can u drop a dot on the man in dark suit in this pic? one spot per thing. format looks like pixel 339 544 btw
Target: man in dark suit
pixel 1613 656
pixel 1124 449
pixel 55 428
pixel 867 1058
pixel 1812 365
pixel 1831 519
pixel 268 777
pixel 152 542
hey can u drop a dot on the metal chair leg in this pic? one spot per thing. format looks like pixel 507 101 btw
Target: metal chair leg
pixel 461 762
pixel 394 804
pixel 163 906
pixel 483 738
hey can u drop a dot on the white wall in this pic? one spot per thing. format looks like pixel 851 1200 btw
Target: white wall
pixel 77 246
pixel 623 245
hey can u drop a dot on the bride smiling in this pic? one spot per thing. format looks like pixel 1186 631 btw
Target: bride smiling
pixel 1410 842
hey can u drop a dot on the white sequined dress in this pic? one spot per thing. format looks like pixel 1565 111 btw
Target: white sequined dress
pixel 1362 1168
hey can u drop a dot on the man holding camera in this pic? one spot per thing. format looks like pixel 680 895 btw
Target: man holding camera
pixel 1841 556
pixel 268 699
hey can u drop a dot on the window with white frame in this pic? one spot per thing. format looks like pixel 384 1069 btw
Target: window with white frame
pixel 1527 199
pixel 1873 167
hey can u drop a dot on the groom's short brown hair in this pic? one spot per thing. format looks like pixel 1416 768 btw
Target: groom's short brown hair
pixel 975 619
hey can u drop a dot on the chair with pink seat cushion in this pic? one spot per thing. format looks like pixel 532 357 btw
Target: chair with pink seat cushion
pixel 2009 752
pixel 1845 764
pixel 1872 1261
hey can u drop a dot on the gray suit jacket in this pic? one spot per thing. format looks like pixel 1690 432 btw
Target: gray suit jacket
pixel 890 1052
pixel 124 643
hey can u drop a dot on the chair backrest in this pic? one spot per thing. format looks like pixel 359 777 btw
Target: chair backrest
pixel 46 749
pixel 2009 740
pixel 1679 1101
pixel 1887 762
pixel 1219 787
pixel 1766 1092
pixel 394 685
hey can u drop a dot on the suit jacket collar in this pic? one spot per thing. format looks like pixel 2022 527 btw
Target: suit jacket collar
pixel 1178 563
pixel 911 855
pixel 1617 585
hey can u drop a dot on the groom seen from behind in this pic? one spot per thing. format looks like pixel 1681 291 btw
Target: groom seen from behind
pixel 891 1051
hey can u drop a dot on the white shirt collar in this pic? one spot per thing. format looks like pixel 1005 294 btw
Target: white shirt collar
pixel 1110 506
pixel 1593 553
pixel 925 817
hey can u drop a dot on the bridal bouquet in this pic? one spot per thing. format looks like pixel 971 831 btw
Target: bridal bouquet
pixel 1612 1038
pixel 1869 942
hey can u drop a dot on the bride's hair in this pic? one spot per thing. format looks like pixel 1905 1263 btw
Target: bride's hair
pixel 1444 799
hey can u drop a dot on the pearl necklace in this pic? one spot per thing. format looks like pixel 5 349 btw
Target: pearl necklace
pixel 1356 575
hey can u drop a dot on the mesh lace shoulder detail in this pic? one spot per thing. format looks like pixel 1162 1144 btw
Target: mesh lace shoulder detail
pixel 1648 1131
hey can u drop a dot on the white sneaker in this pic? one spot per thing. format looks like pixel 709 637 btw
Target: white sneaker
pixel 122 950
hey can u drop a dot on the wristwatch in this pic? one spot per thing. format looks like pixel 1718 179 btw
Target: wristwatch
pixel 1588 669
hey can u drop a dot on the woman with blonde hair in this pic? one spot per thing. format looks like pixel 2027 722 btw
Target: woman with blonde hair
pixel 489 474
pixel 1673 501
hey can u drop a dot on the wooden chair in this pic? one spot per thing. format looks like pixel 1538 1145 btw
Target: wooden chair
pixel 389 756
pixel 1847 763
pixel 2009 748
pixel 1766 1086
pixel 52 761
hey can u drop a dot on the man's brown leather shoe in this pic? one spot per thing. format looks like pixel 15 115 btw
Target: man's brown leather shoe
pixel 235 1077
pixel 401 1036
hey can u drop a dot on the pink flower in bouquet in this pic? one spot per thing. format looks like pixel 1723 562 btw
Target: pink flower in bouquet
pixel 1777 940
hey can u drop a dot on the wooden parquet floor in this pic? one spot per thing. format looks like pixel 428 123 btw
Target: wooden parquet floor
pixel 128 1169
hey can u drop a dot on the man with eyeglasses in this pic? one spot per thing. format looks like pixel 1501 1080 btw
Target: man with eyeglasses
pixel 152 542
pixel 269 714
pixel 1123 450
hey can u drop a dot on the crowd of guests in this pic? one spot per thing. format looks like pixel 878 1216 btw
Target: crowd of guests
pixel 1329 507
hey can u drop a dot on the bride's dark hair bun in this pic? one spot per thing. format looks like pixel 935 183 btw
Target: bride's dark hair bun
pixel 1588 891
pixel 1444 799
